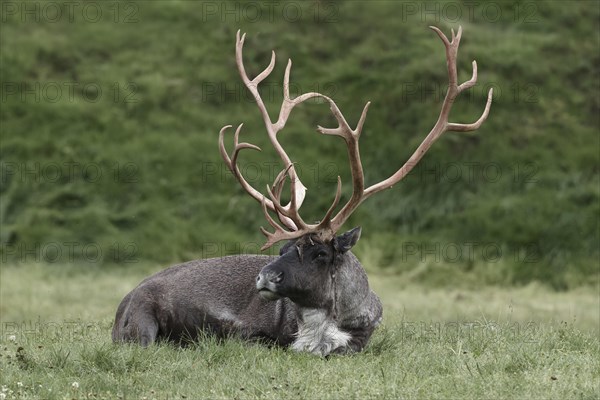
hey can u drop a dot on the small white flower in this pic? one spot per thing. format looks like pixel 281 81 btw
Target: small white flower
pixel 2 396
pixel 12 338
pixel 20 384
pixel 4 388
pixel 75 385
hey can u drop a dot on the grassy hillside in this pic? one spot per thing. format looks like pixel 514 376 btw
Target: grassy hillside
pixel 110 115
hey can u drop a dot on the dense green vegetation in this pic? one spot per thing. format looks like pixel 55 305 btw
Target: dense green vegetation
pixel 110 124
pixel 494 343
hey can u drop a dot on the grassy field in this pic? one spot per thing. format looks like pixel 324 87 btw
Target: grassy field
pixel 491 343
pixel 486 256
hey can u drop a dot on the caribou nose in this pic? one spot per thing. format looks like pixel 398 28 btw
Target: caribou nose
pixel 265 280
pixel 267 285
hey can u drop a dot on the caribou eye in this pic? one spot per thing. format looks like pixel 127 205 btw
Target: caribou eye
pixel 321 254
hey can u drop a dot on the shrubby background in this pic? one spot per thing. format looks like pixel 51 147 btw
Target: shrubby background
pixel 110 122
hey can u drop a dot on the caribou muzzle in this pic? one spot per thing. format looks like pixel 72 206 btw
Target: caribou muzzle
pixel 267 282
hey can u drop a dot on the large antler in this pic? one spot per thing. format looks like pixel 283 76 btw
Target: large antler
pixel 297 188
pixel 442 125
pixel 288 214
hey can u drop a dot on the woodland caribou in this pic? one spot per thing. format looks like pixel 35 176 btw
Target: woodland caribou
pixel 315 295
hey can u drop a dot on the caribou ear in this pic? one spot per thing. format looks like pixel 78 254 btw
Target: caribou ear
pixel 347 240
pixel 284 249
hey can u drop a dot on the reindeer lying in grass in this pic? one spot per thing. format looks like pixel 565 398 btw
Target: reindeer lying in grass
pixel 315 295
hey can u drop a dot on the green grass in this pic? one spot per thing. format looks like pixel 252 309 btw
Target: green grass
pixel 435 343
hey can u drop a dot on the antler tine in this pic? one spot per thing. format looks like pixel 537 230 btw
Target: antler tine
pixel 230 162
pixel 451 52
pixel 275 198
pixel 470 82
pixel 351 137
pixel 271 237
pixel 240 146
pixel 441 35
pixel 326 221
pixel 290 212
pixel 475 125
pixel 279 233
pixel 289 103
pixel 282 212
pixel 240 63
pixel 278 182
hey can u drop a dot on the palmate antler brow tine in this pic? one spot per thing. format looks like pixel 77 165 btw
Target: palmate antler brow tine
pixel 280 233
pixel 323 228
pixel 291 211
